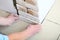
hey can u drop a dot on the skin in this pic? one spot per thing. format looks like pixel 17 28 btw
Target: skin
pixel 8 20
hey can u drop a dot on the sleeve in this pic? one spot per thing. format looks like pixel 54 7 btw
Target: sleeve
pixel 3 37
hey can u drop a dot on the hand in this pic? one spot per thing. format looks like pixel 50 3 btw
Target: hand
pixel 12 18
pixel 8 20
pixel 34 28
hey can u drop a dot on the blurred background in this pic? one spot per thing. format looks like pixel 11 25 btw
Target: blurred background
pixel 49 16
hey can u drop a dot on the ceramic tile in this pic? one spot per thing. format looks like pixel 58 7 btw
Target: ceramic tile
pixel 54 13
pixel 50 31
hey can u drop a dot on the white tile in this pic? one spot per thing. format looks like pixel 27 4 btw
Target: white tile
pixel 7 5
pixel 58 37
pixel 44 6
pixel 54 14
pixel 50 31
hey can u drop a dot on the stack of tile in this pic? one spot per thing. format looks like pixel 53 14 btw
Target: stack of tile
pixel 28 6
pixel 28 11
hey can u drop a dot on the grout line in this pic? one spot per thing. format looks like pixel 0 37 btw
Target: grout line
pixel 58 37
pixel 53 22
pixel 47 13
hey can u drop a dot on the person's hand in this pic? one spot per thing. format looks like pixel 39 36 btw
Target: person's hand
pixel 8 20
pixel 34 28
pixel 12 18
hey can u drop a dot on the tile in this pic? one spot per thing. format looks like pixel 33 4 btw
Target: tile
pixel 33 2
pixel 50 31
pixel 58 37
pixel 54 13
pixel 7 5
pixel 44 7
